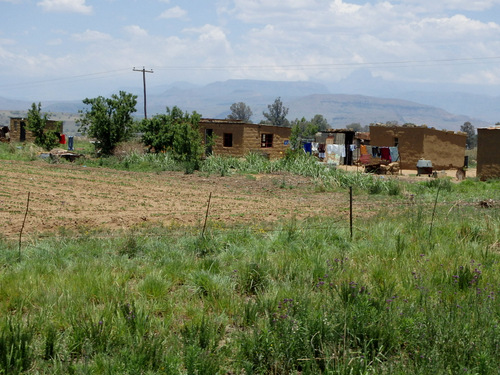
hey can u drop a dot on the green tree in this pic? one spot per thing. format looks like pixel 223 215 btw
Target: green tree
pixel 320 122
pixel 469 129
pixel 176 132
pixel 109 120
pixel 357 127
pixel 277 113
pixel 37 124
pixel 240 111
pixel 302 129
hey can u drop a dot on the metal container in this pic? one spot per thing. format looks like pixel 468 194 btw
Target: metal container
pixel 424 167
pixel 424 163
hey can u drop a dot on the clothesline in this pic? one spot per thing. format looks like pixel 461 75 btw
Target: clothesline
pixel 390 154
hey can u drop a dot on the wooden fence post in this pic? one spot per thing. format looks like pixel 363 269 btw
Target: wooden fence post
pixel 350 209
pixel 24 221
pixel 206 215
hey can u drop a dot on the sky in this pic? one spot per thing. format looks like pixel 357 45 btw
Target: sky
pixel 72 49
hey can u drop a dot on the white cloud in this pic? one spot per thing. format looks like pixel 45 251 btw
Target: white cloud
pixel 456 28
pixel 67 6
pixel 175 12
pixel 341 32
pixel 488 77
pixel 91 36
pixel 55 42
pixel 339 7
pixel 460 5
pixel 4 41
pixel 262 39
pixel 136 31
pixel 212 40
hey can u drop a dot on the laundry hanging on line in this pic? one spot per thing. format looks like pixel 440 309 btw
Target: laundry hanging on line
pixel 336 149
pixel 394 154
pixel 385 153
pixel 308 148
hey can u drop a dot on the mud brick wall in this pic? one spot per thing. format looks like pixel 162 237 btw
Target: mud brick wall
pixel 445 149
pixel 488 153
pixel 18 126
pixel 246 138
pixel 16 129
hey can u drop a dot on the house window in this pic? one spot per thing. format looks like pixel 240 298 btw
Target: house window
pixel 266 140
pixel 396 142
pixel 228 140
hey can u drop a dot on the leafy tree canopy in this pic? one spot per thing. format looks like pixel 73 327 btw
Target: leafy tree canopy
pixel 37 123
pixel 320 122
pixel 302 129
pixel 469 129
pixel 176 132
pixel 357 127
pixel 277 113
pixel 109 120
pixel 240 111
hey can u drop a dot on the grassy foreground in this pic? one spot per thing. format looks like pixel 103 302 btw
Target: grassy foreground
pixel 414 292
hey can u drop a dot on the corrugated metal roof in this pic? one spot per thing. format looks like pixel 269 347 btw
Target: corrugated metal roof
pixel 496 127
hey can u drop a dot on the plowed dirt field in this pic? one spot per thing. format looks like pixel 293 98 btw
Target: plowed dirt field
pixel 71 197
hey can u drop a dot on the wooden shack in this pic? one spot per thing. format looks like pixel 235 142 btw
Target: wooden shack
pixel 488 153
pixel 19 129
pixel 445 149
pixel 237 138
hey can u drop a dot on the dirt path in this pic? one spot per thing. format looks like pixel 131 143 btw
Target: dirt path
pixel 80 199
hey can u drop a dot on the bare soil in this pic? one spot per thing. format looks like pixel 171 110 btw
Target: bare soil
pixel 76 198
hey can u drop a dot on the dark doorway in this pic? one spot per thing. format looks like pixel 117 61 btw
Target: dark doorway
pixel 22 136
pixel 208 141
pixel 349 140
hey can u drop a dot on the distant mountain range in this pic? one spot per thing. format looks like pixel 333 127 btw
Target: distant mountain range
pixel 304 99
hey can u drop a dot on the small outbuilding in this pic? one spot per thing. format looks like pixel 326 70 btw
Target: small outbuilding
pixel 237 138
pixel 488 153
pixel 445 149
pixel 19 129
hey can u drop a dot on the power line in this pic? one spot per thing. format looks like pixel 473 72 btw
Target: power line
pixel 402 63
pixel 388 64
pixel 65 79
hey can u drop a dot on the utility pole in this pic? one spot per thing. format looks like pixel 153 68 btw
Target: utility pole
pixel 144 71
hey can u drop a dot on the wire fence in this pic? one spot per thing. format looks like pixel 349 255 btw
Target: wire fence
pixel 217 213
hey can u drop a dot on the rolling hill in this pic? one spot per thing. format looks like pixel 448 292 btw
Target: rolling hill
pixel 304 99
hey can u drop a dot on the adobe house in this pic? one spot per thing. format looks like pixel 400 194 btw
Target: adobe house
pixel 488 153
pixel 19 130
pixel 237 138
pixel 445 149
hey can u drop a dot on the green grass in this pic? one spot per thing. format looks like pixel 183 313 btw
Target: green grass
pixel 415 291
pixel 300 297
pixel 17 151
pixel 325 178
